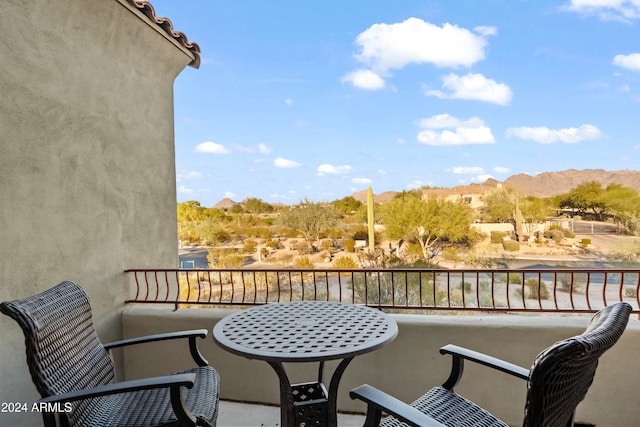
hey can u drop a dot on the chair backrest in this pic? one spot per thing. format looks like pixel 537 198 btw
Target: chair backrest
pixel 64 352
pixel 562 374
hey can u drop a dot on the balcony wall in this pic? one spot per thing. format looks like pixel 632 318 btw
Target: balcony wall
pixel 410 364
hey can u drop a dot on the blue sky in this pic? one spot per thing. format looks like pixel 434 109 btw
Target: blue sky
pixel 320 99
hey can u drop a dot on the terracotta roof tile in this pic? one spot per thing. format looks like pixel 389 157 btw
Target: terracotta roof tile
pixel 164 23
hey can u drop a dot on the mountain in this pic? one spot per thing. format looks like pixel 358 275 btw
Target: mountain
pixel 552 183
pixel 225 203
pixel 361 196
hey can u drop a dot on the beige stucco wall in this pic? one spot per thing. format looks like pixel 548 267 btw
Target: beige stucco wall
pixel 409 365
pixel 87 175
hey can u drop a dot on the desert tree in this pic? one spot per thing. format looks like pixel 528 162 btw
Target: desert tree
pixel 426 222
pixel 309 218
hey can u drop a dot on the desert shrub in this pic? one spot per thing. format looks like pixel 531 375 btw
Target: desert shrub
pixel 511 245
pixel 249 246
pixel 586 242
pixel 555 235
pixel 273 243
pixel 497 236
pixel 450 254
pixel 344 262
pixel 326 244
pixel 303 247
pixel 261 232
pixel 537 289
pixel 303 262
pixel 466 286
pixel 360 233
pixel 225 258
pixel 515 278
pixel 630 292
pixel 350 245
pixel 264 252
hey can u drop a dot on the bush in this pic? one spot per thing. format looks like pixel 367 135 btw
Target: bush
pixel 511 245
pixel 327 245
pixel 630 292
pixel 586 242
pixel 515 278
pixel 497 236
pixel 344 262
pixel 450 254
pixel 303 262
pixel 537 289
pixel 249 246
pixel 350 245
pixel 555 235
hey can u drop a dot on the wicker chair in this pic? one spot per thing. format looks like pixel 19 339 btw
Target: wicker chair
pixel 557 382
pixel 76 377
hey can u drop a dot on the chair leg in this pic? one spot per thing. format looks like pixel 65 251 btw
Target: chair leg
pixel 373 416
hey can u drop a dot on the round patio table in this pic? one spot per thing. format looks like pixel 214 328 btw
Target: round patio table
pixel 306 331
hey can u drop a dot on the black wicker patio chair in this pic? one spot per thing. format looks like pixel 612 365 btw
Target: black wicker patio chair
pixel 557 382
pixel 76 377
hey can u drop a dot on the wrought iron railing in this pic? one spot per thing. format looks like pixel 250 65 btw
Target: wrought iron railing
pixel 405 290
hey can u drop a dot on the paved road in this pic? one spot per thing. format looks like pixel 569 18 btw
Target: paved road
pixel 197 256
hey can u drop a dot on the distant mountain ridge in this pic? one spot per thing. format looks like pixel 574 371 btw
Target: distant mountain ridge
pixel 544 184
pixel 553 183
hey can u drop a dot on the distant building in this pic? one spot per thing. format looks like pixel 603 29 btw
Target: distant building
pixel 472 194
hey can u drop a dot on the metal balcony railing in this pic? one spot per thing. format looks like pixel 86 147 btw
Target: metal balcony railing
pixel 404 290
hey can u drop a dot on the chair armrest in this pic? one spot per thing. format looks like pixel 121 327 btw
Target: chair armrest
pixel 379 401
pixel 173 382
pixel 191 335
pixel 177 380
pixel 459 354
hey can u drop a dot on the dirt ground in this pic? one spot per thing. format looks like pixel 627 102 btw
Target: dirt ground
pixel 601 247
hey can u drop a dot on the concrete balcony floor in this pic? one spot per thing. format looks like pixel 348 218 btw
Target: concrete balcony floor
pixel 235 414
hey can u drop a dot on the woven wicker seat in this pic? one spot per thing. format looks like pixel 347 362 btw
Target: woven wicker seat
pixel 75 374
pixel 556 383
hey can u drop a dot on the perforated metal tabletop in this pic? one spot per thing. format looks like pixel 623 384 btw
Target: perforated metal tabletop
pixel 305 331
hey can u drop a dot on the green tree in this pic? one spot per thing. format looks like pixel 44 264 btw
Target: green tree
pixel 254 205
pixel 309 218
pixel 347 205
pixel 498 206
pixel 587 196
pixel 426 221
pixel 624 205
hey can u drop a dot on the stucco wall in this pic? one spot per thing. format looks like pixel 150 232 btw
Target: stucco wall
pixel 87 173
pixel 409 365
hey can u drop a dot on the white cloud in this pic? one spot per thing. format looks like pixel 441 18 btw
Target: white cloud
pixel 211 147
pixel 285 163
pixel 456 131
pixel 415 184
pixel 501 169
pixel 180 176
pixel 442 121
pixel 289 102
pixel 229 195
pixel 401 141
pixel 475 87
pixel 385 47
pixel 414 41
pixel 262 148
pixel 607 10
pixel 544 135
pixel 332 170
pixel 630 62
pixel 481 178
pixel 364 79
pixel 361 181
pixel 467 170
pixel 185 190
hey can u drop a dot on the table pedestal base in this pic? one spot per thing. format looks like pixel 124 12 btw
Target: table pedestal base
pixel 309 404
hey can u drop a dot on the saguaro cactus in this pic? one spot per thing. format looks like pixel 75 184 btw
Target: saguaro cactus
pixel 370 220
